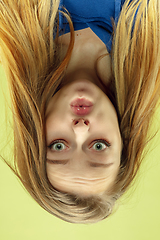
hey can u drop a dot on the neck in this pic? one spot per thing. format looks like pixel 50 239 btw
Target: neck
pixel 86 57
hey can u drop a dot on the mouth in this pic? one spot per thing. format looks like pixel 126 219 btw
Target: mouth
pixel 81 106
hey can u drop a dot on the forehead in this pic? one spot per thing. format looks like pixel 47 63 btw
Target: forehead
pixel 86 183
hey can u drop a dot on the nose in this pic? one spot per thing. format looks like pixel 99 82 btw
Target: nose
pixel 81 125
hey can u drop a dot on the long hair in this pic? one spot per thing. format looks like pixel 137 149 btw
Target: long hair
pixel 32 61
pixel 136 66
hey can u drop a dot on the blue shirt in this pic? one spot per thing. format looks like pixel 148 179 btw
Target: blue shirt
pixel 95 14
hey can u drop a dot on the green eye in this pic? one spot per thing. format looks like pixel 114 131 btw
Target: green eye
pixel 57 146
pixel 100 145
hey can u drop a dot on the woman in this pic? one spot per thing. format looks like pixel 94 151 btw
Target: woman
pixel 80 125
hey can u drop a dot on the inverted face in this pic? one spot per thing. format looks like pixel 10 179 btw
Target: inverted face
pixel 83 140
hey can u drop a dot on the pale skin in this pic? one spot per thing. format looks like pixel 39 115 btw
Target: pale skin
pixel 83 153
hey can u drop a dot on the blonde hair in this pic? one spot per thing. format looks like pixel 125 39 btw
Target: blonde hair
pixel 31 58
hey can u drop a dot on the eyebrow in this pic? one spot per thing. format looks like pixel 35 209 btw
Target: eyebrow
pixel 103 165
pixel 92 164
pixel 58 161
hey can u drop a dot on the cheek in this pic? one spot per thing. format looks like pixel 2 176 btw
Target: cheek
pixel 52 118
pixel 50 122
pixel 53 123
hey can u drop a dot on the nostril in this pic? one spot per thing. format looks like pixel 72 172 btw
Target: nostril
pixel 86 122
pixel 75 122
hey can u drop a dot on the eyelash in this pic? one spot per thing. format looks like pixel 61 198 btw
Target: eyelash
pixel 95 141
pixel 102 141
pixel 57 141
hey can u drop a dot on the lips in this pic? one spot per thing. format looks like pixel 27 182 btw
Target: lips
pixel 81 106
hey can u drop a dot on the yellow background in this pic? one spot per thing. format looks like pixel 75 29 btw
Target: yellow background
pixel 21 218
